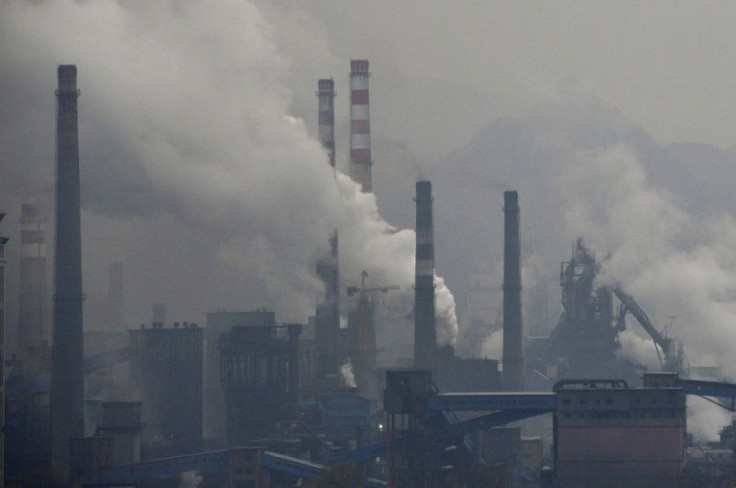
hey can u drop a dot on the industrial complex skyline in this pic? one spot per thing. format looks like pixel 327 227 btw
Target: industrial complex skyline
pixel 202 170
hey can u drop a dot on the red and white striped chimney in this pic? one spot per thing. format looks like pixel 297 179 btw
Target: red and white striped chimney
pixel 360 125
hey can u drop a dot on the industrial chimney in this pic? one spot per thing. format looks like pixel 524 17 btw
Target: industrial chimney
pixel 513 361
pixel 328 313
pixel 33 309
pixel 67 369
pixel 326 116
pixel 425 335
pixel 360 125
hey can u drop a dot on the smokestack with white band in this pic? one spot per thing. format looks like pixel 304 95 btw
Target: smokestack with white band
pixel 360 125
pixel 425 334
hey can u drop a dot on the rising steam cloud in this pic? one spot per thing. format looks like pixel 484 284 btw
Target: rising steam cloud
pixel 348 376
pixel 185 114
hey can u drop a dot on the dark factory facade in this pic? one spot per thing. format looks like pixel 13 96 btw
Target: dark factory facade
pixel 166 370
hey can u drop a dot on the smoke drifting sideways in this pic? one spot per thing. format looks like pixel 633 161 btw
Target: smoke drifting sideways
pixel 680 268
pixel 193 172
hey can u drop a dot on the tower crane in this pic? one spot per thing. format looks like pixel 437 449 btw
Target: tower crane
pixel 365 292
pixel 364 336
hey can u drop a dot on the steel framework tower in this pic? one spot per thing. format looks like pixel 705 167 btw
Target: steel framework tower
pixel 360 125
pixel 67 369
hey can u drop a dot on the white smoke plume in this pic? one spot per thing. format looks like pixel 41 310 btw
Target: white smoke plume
pixel 194 171
pixel 447 328
pixel 638 349
pixel 493 345
pixel 348 376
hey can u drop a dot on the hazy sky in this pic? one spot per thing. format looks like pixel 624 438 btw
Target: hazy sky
pixel 667 65
pixel 199 167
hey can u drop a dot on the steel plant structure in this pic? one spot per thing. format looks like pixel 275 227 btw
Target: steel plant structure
pixel 166 368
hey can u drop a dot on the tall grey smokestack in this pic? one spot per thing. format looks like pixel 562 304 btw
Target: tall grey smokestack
pixel 425 335
pixel 513 362
pixel 328 313
pixel 67 369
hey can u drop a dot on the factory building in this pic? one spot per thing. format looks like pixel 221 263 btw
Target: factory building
pixel 608 434
pixel 166 368
pixel 27 427
pixel 259 367
pixel 122 421
pixel 218 323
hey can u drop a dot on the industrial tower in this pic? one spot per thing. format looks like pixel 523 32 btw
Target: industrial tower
pixel 67 369
pixel 360 125
pixel 513 362
pixel 425 334
pixel 361 321
pixel 328 312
